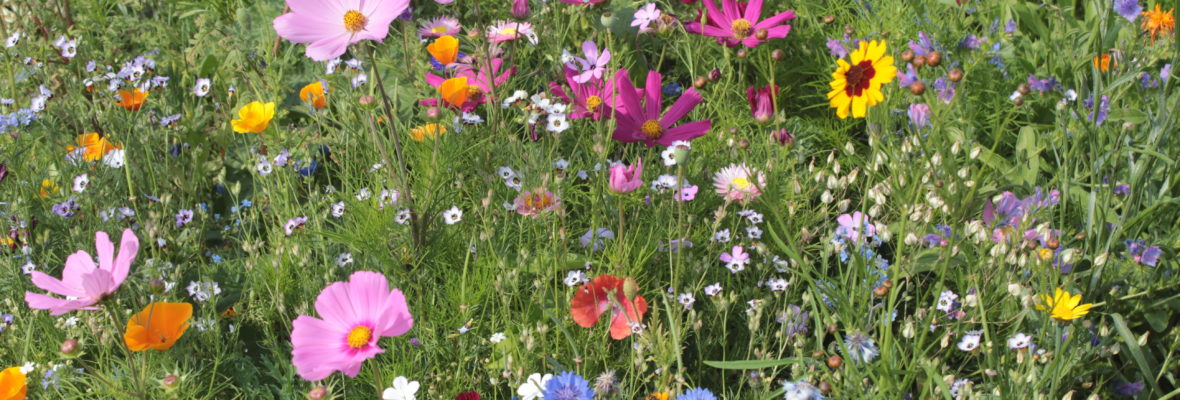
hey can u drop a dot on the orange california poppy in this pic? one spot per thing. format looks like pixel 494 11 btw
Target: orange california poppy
pixel 604 294
pixel 13 384
pixel 314 94
pixel 1102 62
pixel 454 91
pixel 444 49
pixel 132 100
pixel 96 146
pixel 158 326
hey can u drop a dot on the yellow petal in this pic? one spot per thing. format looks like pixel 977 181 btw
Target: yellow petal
pixel 876 49
pixel 859 108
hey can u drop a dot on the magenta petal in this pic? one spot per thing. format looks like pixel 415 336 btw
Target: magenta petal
pixel 327 48
pixel 434 80
pixel 628 97
pixel 681 107
pixel 689 131
pixel 753 10
pixel 655 97
pixel 730 7
pixel 776 20
pixel 714 14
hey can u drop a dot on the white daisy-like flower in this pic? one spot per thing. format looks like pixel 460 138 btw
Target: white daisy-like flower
pixel 452 215
pixel 506 173
pixel 338 209
pixel 722 236
pixel 359 80
pixel 364 194
pixel 533 387
pixel 686 299
pixel 753 232
pixel 497 337
pixel 557 123
pixel 343 259
pixel 777 284
pixel 402 217
pixel 115 159
pixel 514 183
pixel 946 301
pixel 81 182
pixel 1019 341
pixel 201 89
pixel 669 156
pixel 575 277
pixel 387 197
pixel 403 389
pixel 713 290
pixel 264 167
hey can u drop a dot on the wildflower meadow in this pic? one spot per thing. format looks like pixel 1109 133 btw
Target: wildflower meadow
pixel 589 199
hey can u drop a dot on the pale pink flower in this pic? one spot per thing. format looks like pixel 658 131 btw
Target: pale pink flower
pixel 84 284
pixel 329 26
pixel 626 179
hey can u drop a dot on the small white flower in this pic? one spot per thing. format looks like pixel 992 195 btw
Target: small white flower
pixel 330 68
pixel 970 341
pixel 12 40
pixel 514 183
pixel 497 337
pixel 561 164
pixel 343 259
pixel 201 89
pixel 557 123
pixel 80 183
pixel 777 284
pixel 359 80
pixel 203 290
pixel 575 278
pixel 946 301
pixel 713 290
pixel 532 387
pixel 1020 341
pixel 264 167
pixel 506 173
pixel 363 194
pixel 452 215
pixel 402 217
pixel 338 209
pixel 115 159
pixel 28 367
pixel 753 232
pixel 722 236
pixel 669 156
pixel 71 321
pixel 387 197
pixel 403 389
pixel 686 299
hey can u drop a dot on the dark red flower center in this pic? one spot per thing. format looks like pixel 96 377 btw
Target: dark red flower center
pixel 858 77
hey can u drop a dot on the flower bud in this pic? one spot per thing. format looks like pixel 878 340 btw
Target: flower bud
pixel 933 58
pixel 714 75
pixel 955 75
pixel 778 55
pixel 520 9
pixel 68 346
pixel 317 393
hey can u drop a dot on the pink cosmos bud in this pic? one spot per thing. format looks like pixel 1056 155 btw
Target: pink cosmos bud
pixel 520 9
pixel 783 137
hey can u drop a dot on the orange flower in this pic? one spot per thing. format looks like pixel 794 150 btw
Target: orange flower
pixel 132 100
pixel 158 326
pixel 1157 21
pixel 454 91
pixel 1102 62
pixel 430 130
pixel 605 294
pixel 314 94
pixel 13 384
pixel 96 146
pixel 444 49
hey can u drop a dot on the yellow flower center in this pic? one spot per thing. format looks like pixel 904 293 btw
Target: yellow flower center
pixel 354 21
pixel 742 28
pixel 359 337
pixel 652 129
pixel 438 29
pixel 740 182
pixel 508 31
pixel 473 91
pixel 1045 254
pixel 593 102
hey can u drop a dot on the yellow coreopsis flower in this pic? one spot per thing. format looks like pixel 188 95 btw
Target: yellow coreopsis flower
pixel 254 117
pixel 857 85
pixel 659 396
pixel 1063 306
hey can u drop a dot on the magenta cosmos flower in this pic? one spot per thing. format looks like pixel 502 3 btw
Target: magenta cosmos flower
pixel 329 26
pixel 738 22
pixel 355 315
pixel 479 82
pixel 626 179
pixel 586 99
pixel 638 122
pixel 84 284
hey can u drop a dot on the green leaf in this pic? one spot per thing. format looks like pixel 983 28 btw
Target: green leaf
pixel 1145 365
pixel 757 364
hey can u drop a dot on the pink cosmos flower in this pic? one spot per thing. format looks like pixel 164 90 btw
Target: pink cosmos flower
pixel 479 82
pixel 439 27
pixel 84 284
pixel 686 193
pixel 738 22
pixel 855 225
pixel 762 102
pixel 626 179
pixel 536 202
pixel 329 26
pixel 642 122
pixel 356 314
pixel 589 98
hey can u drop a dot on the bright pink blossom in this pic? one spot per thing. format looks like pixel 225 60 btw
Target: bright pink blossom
pixel 480 82
pixel 626 179
pixel 738 22
pixel 329 26
pixel 83 283
pixel 356 314
pixel 640 120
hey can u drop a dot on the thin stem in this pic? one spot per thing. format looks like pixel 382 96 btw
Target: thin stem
pixel 415 224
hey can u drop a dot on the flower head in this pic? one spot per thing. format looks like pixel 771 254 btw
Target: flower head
pixel 860 347
pixel 13 384
pixel 84 284
pixel 606 293
pixel 158 326
pixel 1063 306
pixel 430 130
pixel 641 119
pixel 355 315
pixel 536 202
pixel 440 26
pixel 1156 22
pixel 626 179
pixel 533 387
pixel 445 50
pixel 315 94
pixel 857 85
pixel 737 22
pixel 328 27
pixel 94 146
pixel 762 102
pixel 567 386
pixel 740 183
pixel 132 100
pixel 697 394
pixel 254 117
pixel 403 389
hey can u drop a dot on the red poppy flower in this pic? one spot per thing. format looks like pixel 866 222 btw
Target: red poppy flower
pixel 595 298
pixel 467 396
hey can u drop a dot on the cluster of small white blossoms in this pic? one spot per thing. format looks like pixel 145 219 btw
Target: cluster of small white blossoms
pixel 538 106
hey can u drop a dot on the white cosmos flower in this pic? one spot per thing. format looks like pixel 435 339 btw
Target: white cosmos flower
pixel 403 389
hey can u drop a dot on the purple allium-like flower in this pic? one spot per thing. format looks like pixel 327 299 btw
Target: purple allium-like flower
pixel 907 78
pixel 1122 189
pixel 1148 82
pixel 1128 9
pixel 923 46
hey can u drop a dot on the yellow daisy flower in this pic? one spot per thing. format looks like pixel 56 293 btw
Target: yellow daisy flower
pixel 1063 306
pixel 857 85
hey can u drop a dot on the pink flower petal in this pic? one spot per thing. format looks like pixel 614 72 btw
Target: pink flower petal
pixel 327 48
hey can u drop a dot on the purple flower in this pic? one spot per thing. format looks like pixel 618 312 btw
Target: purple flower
pixel 1042 85
pixel 66 208
pixel 1147 82
pixel 1099 115
pixel 1141 253
pixel 1165 73
pixel 923 46
pixel 1129 389
pixel 905 79
pixel 919 115
pixel 1128 9
pixel 1122 189
pixel 183 217
pixel 971 42
pixel 1010 27
pixel 837 48
pixel 941 238
pixel 945 89
pixel 294 224
pixel 593 238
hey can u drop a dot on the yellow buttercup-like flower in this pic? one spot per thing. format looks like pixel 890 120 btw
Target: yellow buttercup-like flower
pixel 254 117
pixel 1063 306
pixel 857 85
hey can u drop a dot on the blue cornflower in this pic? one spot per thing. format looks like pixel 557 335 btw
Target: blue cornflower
pixel 698 393
pixel 860 347
pixel 568 386
pixel 1128 9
